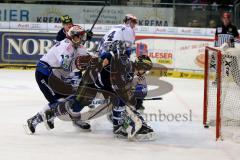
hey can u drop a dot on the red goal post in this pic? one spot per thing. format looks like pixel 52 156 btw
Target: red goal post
pixel 206 88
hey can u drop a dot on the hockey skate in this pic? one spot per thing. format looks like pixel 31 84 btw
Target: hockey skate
pixel 48 119
pixel 84 126
pixel 32 123
pixel 146 133
pixel 119 132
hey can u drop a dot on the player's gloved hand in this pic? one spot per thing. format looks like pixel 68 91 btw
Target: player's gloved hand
pixel 140 91
pixel 82 62
pixel 89 35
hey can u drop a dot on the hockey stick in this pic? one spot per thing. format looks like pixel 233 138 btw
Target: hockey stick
pixel 154 98
pixel 94 23
pixel 97 17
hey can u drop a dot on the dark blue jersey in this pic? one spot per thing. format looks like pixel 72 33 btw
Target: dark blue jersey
pixel 61 35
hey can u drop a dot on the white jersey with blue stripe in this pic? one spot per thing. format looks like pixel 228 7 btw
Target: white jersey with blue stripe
pixel 119 32
pixel 62 55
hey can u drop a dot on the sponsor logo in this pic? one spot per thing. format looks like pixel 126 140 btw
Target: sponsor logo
pixel 172 30
pixel 25 47
pixel 160 29
pixel 186 30
pixel 142 22
pixel 161 56
pixel 227 63
pixel 14 15
pixel 141 49
pixel 50 15
pixel 29 26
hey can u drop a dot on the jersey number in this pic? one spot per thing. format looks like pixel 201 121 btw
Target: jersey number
pixel 110 36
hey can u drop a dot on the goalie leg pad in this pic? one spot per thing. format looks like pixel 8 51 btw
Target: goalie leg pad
pixel 118 115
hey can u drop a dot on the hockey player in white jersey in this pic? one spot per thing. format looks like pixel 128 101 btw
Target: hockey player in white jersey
pixel 58 62
pixel 124 32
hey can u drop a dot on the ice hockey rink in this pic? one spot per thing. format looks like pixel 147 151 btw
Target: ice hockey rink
pixel 20 99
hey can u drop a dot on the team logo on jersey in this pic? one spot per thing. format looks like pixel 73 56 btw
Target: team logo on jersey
pixel 230 29
pixel 219 29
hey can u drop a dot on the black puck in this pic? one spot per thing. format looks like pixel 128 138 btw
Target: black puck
pixel 206 126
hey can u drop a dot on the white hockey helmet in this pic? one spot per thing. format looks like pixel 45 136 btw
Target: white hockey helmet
pixel 130 17
pixel 76 31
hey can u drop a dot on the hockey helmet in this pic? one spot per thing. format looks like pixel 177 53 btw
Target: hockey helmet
pixel 66 19
pixel 76 31
pixel 130 17
pixel 143 62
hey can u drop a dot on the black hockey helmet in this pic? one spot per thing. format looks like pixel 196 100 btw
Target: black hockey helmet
pixel 143 62
pixel 66 19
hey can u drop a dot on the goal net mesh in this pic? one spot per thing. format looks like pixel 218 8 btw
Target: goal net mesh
pixel 223 90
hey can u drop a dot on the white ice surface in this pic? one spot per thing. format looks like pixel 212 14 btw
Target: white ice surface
pixel 20 99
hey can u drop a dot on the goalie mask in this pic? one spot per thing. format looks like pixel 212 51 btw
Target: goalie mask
pixel 76 34
pixel 143 62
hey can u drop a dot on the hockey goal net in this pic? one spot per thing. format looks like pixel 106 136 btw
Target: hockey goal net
pixel 222 92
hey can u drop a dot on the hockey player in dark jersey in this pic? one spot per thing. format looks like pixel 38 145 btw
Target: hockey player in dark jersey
pixel 67 23
pixel 227 32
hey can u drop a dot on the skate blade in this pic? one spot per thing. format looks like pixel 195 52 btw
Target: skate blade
pixel 46 125
pixel 78 128
pixel 120 137
pixel 82 130
pixel 144 138
pixel 27 130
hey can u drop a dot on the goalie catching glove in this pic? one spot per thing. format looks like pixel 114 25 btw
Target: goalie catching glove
pixel 83 62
